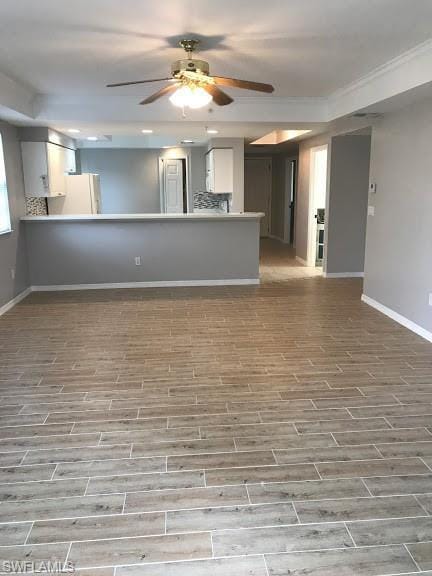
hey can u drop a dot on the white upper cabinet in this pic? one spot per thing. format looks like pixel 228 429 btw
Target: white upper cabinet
pixel 220 171
pixel 45 166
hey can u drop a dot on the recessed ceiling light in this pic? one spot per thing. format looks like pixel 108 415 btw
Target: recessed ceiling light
pixel 147 131
pixel 187 141
pixel 92 138
pixel 74 131
pixel 212 131
pixel 166 147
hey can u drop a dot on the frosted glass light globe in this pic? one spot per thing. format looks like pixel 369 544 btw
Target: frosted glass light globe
pixel 191 97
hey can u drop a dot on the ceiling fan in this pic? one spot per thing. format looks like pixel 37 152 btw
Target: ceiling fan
pixel 191 84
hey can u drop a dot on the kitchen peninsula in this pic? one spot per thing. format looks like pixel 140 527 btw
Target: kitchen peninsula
pixel 140 250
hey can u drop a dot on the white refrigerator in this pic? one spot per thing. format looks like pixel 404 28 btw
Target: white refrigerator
pixel 82 196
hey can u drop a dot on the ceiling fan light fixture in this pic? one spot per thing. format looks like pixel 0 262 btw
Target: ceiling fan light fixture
pixel 191 97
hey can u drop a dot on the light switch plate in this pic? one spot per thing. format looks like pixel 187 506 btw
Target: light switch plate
pixel 430 298
pixel 372 188
pixel 371 210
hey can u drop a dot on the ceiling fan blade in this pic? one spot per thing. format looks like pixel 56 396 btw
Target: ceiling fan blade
pixel 246 84
pixel 219 97
pixel 138 82
pixel 162 92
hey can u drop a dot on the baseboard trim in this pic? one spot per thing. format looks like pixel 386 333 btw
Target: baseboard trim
pixel 398 318
pixel 343 274
pixel 156 284
pixel 303 262
pixel 6 307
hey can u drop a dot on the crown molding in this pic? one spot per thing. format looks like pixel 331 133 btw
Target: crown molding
pixel 394 63
pixel 410 70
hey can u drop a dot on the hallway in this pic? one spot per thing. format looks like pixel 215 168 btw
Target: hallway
pixel 235 431
pixel 278 263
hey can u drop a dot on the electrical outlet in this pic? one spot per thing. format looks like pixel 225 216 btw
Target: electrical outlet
pixel 137 260
pixel 12 272
pixel 371 210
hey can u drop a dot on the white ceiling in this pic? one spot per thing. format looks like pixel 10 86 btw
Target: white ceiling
pixel 304 47
pixel 66 51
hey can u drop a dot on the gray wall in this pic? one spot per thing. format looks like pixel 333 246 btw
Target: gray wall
pixel 130 176
pixel 96 252
pixel 198 169
pixel 347 203
pixel 398 269
pixel 12 246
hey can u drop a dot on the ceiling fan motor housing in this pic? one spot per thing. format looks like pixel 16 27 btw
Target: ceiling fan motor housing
pixel 190 65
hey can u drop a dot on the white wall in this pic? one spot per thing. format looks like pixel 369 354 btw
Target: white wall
pixel 398 265
pixel 12 245
pixel 320 178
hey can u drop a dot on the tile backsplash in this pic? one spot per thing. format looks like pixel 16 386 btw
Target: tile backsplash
pixel 207 201
pixel 36 207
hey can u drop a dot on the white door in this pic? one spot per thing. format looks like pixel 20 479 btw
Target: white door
pixel 257 189
pixel 173 186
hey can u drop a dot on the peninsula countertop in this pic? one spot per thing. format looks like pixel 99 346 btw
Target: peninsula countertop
pixel 71 252
pixel 144 217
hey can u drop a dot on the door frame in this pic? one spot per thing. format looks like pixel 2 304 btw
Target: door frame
pixel 311 247
pixel 186 192
pixel 269 232
pixel 290 191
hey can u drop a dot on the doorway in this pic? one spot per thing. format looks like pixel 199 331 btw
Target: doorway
pixel 317 204
pixel 257 189
pixel 173 185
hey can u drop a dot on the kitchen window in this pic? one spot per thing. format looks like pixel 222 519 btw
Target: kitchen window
pixel 5 222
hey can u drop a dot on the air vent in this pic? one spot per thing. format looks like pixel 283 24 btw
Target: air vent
pixel 366 115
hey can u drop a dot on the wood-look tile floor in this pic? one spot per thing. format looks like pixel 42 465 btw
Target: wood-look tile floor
pixel 277 430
